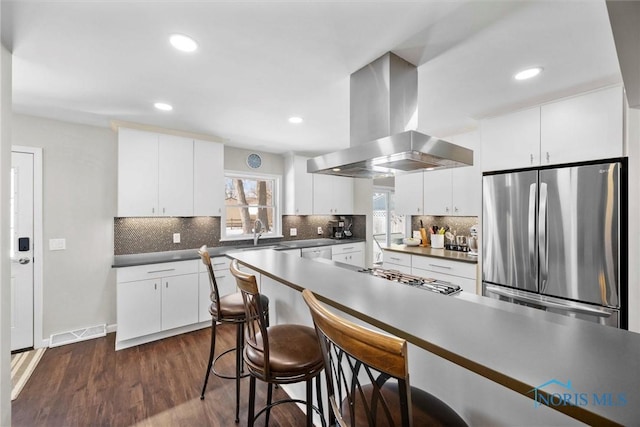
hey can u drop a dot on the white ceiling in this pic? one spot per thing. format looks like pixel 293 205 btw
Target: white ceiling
pixel 260 62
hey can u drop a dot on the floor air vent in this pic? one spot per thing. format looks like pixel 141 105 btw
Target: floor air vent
pixel 78 335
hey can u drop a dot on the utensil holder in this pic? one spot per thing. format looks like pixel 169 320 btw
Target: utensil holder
pixel 437 241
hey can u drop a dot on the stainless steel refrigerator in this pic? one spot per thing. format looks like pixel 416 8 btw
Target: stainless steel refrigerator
pixel 554 238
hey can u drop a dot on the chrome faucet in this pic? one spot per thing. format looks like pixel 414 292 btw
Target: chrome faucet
pixel 257 232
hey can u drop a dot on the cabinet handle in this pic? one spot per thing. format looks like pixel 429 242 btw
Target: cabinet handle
pixel 153 210
pixel 455 209
pixel 346 249
pixel 531 158
pixel 440 266
pixel 219 263
pixel 163 210
pixel 446 209
pixel 222 277
pixel 395 259
pixel 166 285
pixel 155 286
pixel 548 157
pixel 160 271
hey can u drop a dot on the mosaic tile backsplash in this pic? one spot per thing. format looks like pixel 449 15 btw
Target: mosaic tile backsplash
pixel 459 224
pixel 144 235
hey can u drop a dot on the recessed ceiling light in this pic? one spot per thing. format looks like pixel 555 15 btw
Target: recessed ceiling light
pixel 295 120
pixel 183 43
pixel 528 73
pixel 162 106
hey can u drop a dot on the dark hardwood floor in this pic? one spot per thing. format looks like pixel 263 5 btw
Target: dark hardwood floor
pixel 156 384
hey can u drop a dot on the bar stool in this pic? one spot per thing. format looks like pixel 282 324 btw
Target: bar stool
pixel 279 354
pixel 368 379
pixel 226 309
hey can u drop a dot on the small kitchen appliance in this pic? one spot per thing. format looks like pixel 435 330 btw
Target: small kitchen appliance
pixel 337 229
pixel 472 241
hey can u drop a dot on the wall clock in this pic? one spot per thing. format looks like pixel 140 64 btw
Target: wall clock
pixel 254 161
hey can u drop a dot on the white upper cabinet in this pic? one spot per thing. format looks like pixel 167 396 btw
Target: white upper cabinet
pixel 298 186
pixel 332 195
pixel 456 191
pixel 175 178
pixel 511 141
pixel 137 173
pixel 466 182
pixel 585 127
pixel 166 175
pixel 208 178
pixel 409 193
pixel 437 192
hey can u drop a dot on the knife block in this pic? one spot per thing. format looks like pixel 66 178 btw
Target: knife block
pixel 423 236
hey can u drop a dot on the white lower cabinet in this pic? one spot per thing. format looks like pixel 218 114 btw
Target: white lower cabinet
pixel 458 273
pixel 397 261
pixel 352 253
pixel 155 298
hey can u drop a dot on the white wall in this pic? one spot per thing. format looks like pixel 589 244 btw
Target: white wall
pixel 235 159
pixel 5 268
pixel 633 151
pixel 80 182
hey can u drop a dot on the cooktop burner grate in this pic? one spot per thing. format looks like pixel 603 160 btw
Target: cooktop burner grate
pixel 427 284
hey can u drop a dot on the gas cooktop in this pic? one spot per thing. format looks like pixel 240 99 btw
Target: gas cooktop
pixel 427 284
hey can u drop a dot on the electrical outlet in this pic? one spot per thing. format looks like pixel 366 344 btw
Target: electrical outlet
pixel 293 232
pixel 319 230
pixel 176 237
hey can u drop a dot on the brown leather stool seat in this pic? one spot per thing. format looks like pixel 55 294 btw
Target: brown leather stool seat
pixel 280 354
pixel 293 353
pixel 226 309
pixel 368 379
pixel 427 410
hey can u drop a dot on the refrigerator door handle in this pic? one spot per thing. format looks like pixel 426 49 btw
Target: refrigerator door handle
pixel 566 306
pixel 532 225
pixel 543 242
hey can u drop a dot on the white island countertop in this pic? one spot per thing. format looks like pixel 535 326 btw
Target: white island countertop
pixel 531 352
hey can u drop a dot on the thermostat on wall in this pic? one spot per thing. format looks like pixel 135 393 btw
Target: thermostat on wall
pixel 254 161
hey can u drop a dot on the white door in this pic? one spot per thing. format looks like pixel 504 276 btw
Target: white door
pixel 21 250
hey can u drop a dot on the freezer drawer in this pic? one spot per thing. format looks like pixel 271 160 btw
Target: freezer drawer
pixel 601 315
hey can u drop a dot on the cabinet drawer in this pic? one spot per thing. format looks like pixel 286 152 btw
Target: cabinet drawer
pixel 397 258
pixel 455 268
pixel 152 271
pixel 346 248
pixel 466 284
pixel 219 263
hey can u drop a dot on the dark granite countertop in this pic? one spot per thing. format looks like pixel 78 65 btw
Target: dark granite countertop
pixel 190 254
pixel 436 253
pixel 520 348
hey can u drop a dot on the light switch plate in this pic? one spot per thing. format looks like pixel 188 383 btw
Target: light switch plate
pixel 293 232
pixel 319 230
pixel 176 237
pixel 57 244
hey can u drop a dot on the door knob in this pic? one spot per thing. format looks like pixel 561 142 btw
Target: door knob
pixel 24 260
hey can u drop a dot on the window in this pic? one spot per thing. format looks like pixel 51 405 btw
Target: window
pixel 249 198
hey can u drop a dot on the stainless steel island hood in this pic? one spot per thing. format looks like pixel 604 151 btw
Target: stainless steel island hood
pixel 384 115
